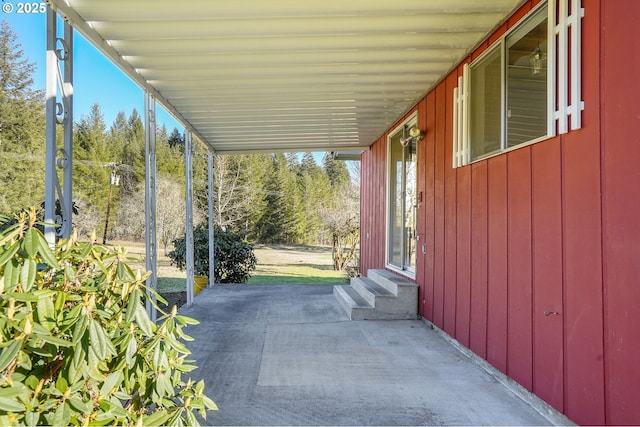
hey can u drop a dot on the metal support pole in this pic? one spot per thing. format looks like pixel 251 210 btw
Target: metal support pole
pixel 66 161
pixel 210 198
pixel 58 113
pixel 188 151
pixel 150 199
pixel 50 128
pixel 106 220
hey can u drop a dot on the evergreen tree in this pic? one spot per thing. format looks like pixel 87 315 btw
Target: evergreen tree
pixel 94 164
pixel 292 163
pixel 22 127
pixel 336 171
pixel 308 163
pixel 176 139
pixel 283 219
pixel 315 189
pixel 259 167
pixel 118 134
pixel 133 154
pixel 169 160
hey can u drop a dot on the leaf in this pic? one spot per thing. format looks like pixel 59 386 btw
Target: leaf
pixel 28 274
pixel 191 419
pixel 61 384
pixel 208 403
pixel 96 335
pixel 32 418
pixel 176 419
pixel 130 355
pixel 80 406
pixel 46 252
pixel 10 233
pixel 142 318
pixel 45 312
pixel 62 415
pixel 11 405
pixel 9 253
pixel 112 381
pixel 187 320
pixel 177 345
pixel 132 305
pixel 19 296
pixel 30 243
pixel 80 329
pixel 77 366
pixel 86 249
pixel 54 340
pixel 156 419
pixel 9 353
pixel 11 274
pixel 14 391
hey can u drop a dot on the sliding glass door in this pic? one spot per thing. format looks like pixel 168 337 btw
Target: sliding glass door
pixel 402 203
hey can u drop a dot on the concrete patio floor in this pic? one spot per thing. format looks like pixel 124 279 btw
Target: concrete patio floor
pixel 287 355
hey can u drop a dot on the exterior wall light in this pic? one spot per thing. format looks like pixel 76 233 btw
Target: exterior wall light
pixel 413 135
pixel 416 133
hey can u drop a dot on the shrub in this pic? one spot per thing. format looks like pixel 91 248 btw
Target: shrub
pixel 234 257
pixel 77 345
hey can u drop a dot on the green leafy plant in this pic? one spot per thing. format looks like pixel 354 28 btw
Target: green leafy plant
pixel 77 345
pixel 234 257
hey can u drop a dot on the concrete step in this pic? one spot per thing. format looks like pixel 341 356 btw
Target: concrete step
pixel 391 281
pixel 381 296
pixel 353 304
pixel 370 290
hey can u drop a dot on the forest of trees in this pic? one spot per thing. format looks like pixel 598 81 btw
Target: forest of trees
pixel 268 198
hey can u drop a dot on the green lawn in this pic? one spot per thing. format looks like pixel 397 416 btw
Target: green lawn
pixel 277 264
pixel 284 264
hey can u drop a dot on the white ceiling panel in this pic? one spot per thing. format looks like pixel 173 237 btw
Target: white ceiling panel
pixel 286 75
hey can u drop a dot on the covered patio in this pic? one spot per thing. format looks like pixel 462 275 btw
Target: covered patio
pixel 528 250
pixel 252 76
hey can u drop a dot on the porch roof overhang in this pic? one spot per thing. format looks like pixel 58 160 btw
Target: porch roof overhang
pixel 286 75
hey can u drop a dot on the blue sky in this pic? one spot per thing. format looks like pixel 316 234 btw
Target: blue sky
pixel 96 80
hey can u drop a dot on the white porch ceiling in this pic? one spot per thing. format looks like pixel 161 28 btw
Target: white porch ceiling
pixel 286 75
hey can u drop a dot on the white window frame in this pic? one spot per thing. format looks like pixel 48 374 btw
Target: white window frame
pixel 408 123
pixel 564 97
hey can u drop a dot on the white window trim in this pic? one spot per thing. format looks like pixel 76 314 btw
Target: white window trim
pixel 563 84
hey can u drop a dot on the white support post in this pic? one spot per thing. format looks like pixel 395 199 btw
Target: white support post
pixel 211 195
pixel 150 200
pixel 188 151
pixel 58 113
pixel 50 128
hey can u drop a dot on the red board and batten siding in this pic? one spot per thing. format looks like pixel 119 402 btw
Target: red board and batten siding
pixel 533 256
pixel 620 116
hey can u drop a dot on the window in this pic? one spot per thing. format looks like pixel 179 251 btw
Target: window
pixel 524 88
pixel 508 90
pixel 526 81
pixel 486 105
